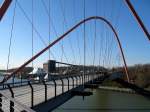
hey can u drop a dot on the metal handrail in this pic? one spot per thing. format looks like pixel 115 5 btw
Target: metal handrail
pixel 23 107
pixel 69 82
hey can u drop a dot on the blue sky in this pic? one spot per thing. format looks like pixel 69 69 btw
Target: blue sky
pixel 135 44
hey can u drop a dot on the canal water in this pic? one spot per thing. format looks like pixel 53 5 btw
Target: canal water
pixel 106 101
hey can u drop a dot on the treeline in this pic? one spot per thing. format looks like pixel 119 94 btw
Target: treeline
pixel 139 74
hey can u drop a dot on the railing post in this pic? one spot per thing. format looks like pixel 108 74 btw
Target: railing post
pixel 62 85
pixel 45 86
pixel 72 81
pixel 55 87
pixel 3 86
pixel 98 76
pixel 68 83
pixel 85 78
pixel 80 80
pixel 11 102
pixel 13 80
pixel 76 81
pixel 21 79
pixel 1 103
pixel 93 78
pixel 32 95
pixel 90 78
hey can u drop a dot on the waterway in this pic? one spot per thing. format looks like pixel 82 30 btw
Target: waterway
pixel 106 101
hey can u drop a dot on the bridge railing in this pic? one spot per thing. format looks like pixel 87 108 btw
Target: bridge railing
pixel 35 93
pixel 9 104
pixel 25 83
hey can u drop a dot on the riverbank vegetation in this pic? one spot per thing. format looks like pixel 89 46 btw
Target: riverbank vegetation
pixel 139 75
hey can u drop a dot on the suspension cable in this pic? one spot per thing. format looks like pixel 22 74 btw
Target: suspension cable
pixel 90 48
pixel 63 36
pixel 104 45
pixel 11 35
pixel 65 25
pixel 52 24
pixel 32 32
pixel 110 44
pixel 84 44
pixel 49 26
pixel 47 12
pixel 101 41
pixel 36 31
pixel 62 47
pixel 110 15
pixel 65 22
pixel 95 36
pixel 110 50
pixel 117 18
pixel 105 48
pixel 74 14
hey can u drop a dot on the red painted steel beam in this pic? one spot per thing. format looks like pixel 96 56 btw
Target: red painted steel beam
pixel 130 6
pixel 4 8
pixel 64 35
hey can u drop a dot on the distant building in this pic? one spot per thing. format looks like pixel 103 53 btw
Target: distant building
pixel 50 66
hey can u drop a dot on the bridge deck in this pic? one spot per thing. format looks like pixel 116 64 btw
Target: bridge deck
pixel 23 94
